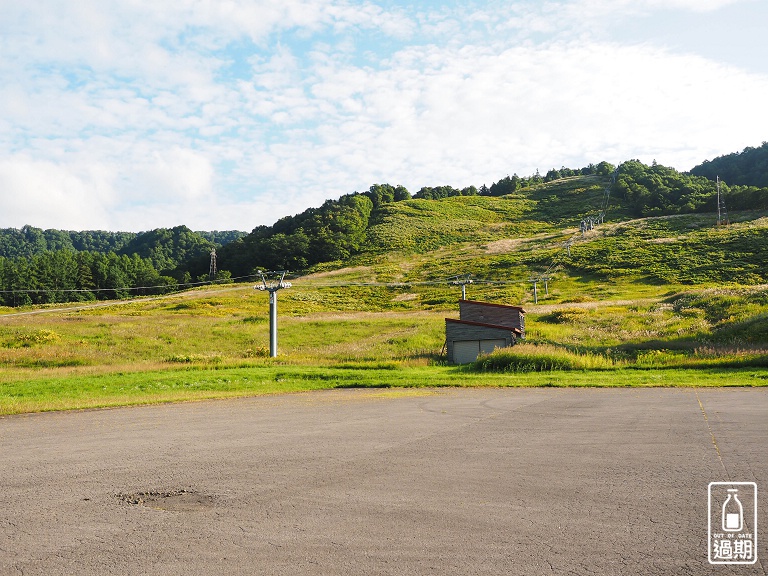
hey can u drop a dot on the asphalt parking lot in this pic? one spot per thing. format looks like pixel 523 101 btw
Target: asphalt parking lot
pixel 450 481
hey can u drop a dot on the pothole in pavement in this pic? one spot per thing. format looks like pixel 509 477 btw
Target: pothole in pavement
pixel 181 500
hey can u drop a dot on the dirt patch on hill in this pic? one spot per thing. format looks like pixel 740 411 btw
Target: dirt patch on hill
pixel 503 246
pixel 331 273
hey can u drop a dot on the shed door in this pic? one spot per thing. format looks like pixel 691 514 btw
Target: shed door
pixel 488 346
pixel 465 351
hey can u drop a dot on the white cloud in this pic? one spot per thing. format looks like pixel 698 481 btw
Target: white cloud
pixel 174 176
pixel 466 115
pixel 692 5
pixel 584 10
pixel 125 109
pixel 48 195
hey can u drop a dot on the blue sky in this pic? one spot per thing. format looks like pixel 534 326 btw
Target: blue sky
pixel 226 114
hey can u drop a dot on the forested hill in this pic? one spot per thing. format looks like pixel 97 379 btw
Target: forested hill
pixel 746 168
pixel 41 266
pixel 165 248
pixel 28 241
pixel 387 218
pixel 45 266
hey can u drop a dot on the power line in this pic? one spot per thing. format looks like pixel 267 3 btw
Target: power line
pixel 118 289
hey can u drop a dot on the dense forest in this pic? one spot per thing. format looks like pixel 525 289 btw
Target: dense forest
pixel 28 241
pixel 67 276
pixel 658 190
pixel 45 266
pixel 746 168
pixel 170 246
pixel 42 266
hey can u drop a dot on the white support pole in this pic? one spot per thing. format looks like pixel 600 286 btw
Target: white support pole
pixel 273 323
pixel 461 281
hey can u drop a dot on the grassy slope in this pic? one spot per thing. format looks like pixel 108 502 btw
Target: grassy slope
pixel 634 295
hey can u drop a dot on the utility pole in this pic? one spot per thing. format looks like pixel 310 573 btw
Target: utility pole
pixel 272 282
pixel 719 219
pixel 722 212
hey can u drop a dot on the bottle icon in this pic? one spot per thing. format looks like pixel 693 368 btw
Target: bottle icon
pixel 733 513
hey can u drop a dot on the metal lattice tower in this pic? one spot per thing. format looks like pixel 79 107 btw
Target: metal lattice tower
pixel 722 213
pixel 212 269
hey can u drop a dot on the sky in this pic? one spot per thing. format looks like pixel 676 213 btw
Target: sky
pixel 131 115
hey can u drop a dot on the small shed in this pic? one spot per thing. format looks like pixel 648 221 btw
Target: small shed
pixel 481 328
pixel 466 340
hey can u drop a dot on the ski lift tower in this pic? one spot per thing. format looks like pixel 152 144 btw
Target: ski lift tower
pixel 272 282
pixel 462 281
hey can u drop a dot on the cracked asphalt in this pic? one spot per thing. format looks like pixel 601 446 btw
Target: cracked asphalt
pixel 449 481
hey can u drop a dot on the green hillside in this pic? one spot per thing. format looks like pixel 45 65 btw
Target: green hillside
pixel 38 267
pixel 653 292
pixel 664 300
pixel 505 240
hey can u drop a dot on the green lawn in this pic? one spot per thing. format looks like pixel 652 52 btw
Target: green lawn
pixel 152 387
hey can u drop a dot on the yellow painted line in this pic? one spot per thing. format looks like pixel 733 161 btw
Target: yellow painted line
pixel 712 434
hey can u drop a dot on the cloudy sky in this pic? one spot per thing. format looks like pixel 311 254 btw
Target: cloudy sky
pixel 226 114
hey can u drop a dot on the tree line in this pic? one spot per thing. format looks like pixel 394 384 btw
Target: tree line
pixel 746 168
pixel 28 240
pixel 659 190
pixel 49 266
pixel 165 247
pixel 513 184
pixel 68 276
pixel 44 266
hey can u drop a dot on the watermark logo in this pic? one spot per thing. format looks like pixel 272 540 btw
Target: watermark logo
pixel 732 522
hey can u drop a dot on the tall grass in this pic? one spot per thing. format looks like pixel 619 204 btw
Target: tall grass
pixel 541 358
pixel 548 357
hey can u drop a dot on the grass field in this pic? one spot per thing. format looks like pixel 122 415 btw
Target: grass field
pixel 214 344
pixel 644 302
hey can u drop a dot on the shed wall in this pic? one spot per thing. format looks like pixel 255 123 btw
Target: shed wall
pixel 461 338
